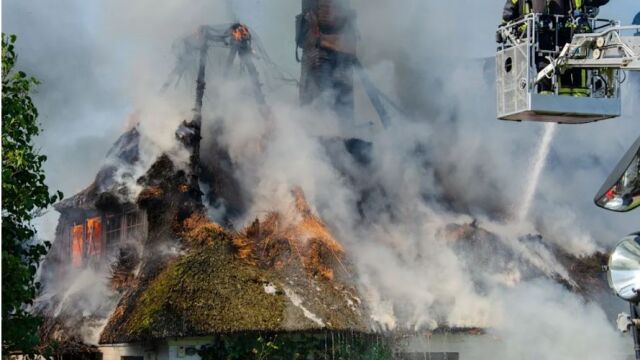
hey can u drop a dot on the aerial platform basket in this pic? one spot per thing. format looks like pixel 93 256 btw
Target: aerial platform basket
pixel 600 57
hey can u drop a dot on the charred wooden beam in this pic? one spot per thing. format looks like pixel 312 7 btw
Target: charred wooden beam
pixel 189 133
pixel 326 33
pixel 240 43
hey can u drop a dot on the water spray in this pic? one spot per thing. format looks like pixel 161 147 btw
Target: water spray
pixel 537 166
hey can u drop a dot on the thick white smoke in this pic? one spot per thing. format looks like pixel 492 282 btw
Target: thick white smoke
pixel 427 56
pixel 409 273
pixel 539 320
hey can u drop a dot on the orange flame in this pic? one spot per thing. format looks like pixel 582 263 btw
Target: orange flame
pixel 299 236
pixel 94 237
pixel 240 33
pixel 278 240
pixel 77 240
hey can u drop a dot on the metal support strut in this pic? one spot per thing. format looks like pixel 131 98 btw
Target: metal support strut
pixel 634 329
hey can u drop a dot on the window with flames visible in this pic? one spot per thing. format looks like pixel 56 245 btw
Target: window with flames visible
pixel 77 242
pixel 93 240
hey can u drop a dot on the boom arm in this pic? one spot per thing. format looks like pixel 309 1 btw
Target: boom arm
pixel 604 50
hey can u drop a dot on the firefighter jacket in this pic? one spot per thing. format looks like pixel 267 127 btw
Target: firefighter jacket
pixel 514 9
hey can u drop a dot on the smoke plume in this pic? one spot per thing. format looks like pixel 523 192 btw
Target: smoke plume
pixel 446 161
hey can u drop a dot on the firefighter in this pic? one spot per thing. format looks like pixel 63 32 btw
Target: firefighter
pixel 573 82
pixel 515 9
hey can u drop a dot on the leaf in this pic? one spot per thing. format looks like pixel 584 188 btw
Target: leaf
pixel 24 194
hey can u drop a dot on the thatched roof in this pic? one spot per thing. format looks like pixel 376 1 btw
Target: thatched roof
pixel 105 189
pixel 210 290
pixel 582 274
pixel 284 273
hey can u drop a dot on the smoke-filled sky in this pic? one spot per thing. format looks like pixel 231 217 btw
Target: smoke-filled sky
pixel 102 63
pixel 98 59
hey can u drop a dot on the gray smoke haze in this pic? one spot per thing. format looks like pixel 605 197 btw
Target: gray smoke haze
pixel 103 62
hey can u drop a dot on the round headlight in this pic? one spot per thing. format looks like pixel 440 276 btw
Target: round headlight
pixel 624 268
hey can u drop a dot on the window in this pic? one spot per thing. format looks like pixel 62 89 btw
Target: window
pixel 94 237
pixel 134 225
pixel 113 230
pixel 77 240
pixel 81 356
pixel 97 236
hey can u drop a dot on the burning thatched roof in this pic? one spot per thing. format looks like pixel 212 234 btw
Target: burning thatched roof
pixel 580 274
pixel 284 272
pixel 277 275
pixel 107 187
pixel 281 274
pixel 210 289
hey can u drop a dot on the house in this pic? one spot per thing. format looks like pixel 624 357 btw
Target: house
pixel 181 286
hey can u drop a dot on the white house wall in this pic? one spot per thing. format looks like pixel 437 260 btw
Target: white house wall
pixel 178 347
pixel 117 351
pixel 171 349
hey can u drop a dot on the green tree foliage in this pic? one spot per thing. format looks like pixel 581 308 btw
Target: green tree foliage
pixel 24 193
